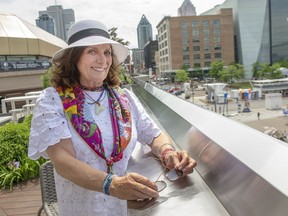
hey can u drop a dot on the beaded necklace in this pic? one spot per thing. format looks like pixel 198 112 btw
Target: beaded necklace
pixel 99 88
pixel 98 106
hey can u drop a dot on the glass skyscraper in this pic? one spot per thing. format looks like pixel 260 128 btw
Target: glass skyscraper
pixel 261 29
pixel 279 29
pixel 63 19
pixel 144 32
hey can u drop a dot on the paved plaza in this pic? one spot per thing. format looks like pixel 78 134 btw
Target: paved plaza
pixel 267 118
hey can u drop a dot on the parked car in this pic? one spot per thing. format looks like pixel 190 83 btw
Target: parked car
pixel 178 92
pixel 173 89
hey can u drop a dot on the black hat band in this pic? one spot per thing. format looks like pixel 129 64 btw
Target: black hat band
pixel 87 33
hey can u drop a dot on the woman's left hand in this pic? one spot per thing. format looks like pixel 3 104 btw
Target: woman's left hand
pixel 180 160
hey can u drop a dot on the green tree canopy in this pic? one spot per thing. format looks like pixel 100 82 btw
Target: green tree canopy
pixel 234 71
pixel 182 75
pixel 265 71
pixel 216 68
pixel 114 36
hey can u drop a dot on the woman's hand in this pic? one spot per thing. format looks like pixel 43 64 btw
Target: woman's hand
pixel 133 187
pixel 179 160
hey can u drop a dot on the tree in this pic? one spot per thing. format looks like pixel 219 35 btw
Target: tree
pixel 283 63
pixel 235 71
pixel 255 68
pixel 114 36
pixel 216 68
pixel 46 78
pixel 265 71
pixel 198 73
pixel 182 76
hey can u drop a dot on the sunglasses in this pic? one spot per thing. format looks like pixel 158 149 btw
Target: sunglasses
pixel 171 175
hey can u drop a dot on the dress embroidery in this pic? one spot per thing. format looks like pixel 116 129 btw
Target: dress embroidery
pixel 73 100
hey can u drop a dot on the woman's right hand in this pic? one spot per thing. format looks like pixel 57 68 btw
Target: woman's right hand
pixel 133 187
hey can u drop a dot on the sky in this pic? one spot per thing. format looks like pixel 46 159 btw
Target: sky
pixel 123 14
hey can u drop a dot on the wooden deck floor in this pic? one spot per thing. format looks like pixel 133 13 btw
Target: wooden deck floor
pixel 24 200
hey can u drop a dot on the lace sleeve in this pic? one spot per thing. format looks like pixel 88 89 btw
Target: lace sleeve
pixel 49 124
pixel 147 129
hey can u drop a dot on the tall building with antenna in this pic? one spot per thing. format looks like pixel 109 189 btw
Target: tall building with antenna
pixel 63 19
pixel 144 32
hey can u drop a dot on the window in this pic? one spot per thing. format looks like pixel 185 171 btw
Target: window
pixel 217 31
pixel 196 39
pixel 207 48
pixel 206 32
pixel 207 56
pixel 185 49
pixel 217 47
pixel 195 23
pixel 196 48
pixel 184 24
pixel 216 39
pixel 197 65
pixel 216 22
pixel 186 57
pixel 205 22
pixel 206 40
pixel 196 56
pixel 195 32
pixel 207 64
pixel 218 55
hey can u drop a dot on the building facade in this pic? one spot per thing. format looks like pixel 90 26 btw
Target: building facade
pixel 195 41
pixel 144 32
pixel 25 54
pixel 46 23
pixel 149 54
pixel 138 60
pixel 261 30
pixel 63 19
pixel 187 9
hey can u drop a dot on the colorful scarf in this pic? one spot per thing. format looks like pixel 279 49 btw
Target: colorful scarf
pixel 73 100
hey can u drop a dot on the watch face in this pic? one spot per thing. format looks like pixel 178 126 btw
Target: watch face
pixel 173 174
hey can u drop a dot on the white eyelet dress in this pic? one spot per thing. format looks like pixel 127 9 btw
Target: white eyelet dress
pixel 50 125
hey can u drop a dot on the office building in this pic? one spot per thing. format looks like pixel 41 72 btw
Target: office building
pixel 195 41
pixel 138 60
pixel 46 23
pixel 144 32
pixel 187 9
pixel 261 30
pixel 63 19
pixel 149 54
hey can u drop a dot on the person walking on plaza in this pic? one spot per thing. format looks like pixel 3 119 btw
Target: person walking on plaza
pixel 88 126
pixel 258 115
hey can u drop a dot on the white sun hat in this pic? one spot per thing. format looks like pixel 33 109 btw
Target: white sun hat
pixel 90 33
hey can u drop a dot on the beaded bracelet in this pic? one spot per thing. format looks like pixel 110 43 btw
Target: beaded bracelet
pixel 106 183
pixel 164 153
pixel 169 144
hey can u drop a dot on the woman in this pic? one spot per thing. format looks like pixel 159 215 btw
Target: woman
pixel 88 126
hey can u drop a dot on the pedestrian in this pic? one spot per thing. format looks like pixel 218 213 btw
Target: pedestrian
pixel 258 115
pixel 88 126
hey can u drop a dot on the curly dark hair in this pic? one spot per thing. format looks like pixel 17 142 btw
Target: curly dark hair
pixel 66 74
